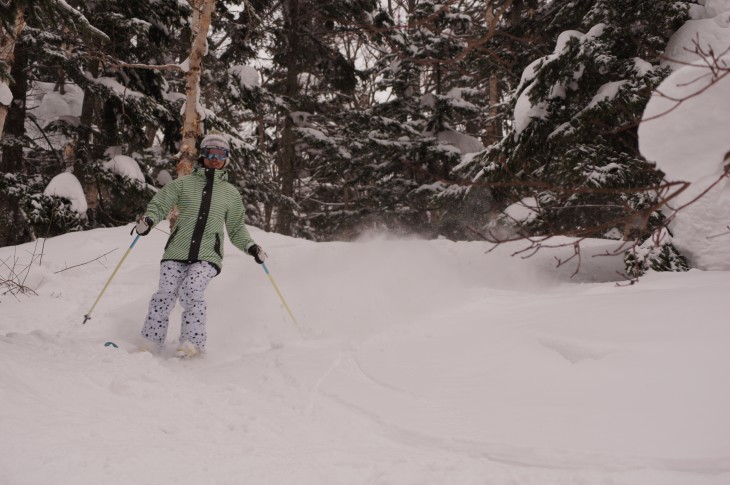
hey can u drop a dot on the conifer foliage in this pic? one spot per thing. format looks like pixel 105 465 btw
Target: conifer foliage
pixel 569 163
pixel 395 156
pixel 516 117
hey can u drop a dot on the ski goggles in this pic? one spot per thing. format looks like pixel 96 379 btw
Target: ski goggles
pixel 211 152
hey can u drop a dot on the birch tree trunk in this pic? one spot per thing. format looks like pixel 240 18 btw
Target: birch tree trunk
pixel 200 24
pixel 7 54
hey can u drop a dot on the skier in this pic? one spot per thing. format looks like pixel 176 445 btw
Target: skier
pixel 194 252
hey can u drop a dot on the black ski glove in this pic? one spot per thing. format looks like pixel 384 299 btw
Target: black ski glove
pixel 144 225
pixel 258 254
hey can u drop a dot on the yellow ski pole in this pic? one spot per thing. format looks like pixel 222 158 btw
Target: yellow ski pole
pixel 271 278
pixel 88 314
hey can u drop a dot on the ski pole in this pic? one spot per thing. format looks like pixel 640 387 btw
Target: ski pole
pixel 271 278
pixel 88 315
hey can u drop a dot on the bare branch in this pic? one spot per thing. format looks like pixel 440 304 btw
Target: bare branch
pixel 721 234
pixel 87 262
pixel 14 282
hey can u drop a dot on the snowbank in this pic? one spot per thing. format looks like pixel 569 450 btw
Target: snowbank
pixel 684 129
pixel 429 362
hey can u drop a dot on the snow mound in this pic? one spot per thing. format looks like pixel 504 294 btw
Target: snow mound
pixel 248 75
pixel 125 166
pixel 67 185
pixel 684 130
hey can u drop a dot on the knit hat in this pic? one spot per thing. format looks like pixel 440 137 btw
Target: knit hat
pixel 216 139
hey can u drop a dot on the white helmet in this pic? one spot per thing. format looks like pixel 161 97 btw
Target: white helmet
pixel 214 140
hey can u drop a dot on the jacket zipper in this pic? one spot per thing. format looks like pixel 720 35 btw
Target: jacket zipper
pixel 199 231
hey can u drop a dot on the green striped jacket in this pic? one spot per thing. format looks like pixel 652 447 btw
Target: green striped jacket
pixel 207 203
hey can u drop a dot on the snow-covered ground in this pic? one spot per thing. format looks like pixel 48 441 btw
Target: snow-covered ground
pixel 416 362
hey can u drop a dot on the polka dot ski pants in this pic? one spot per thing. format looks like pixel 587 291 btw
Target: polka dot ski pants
pixel 188 282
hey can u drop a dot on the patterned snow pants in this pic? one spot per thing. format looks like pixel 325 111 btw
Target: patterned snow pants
pixel 188 282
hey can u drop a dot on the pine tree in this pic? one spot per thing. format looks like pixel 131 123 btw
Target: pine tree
pixel 237 102
pixel 656 253
pixel 395 170
pixel 307 84
pixel 507 35
pixel 571 154
pixel 128 107
pixel 123 110
pixel 25 210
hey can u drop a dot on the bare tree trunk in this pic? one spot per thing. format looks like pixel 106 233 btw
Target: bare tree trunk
pixel 268 205
pixel 287 176
pixel 202 16
pixel 7 54
pixel 14 225
pixel 87 107
pixel 14 128
pixel 287 157
pixel 84 138
pixel 150 133
pixel 494 131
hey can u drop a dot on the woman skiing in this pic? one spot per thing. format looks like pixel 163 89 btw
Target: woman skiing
pixel 194 252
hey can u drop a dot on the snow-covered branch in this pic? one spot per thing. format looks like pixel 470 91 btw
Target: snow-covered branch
pixel 82 21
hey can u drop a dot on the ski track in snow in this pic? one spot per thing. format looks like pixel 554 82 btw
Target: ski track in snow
pixel 417 362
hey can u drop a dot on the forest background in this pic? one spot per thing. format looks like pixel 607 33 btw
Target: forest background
pixel 470 119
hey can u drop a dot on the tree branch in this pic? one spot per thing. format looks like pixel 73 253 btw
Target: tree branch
pixel 87 262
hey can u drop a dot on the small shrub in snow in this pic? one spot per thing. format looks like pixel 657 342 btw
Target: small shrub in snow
pixel 45 215
pixel 656 253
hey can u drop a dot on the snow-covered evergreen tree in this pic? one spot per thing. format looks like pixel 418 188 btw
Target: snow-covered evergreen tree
pixel 310 80
pixel 127 111
pixel 402 146
pixel 41 33
pixel 571 153
pixel 85 107
pixel 656 253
